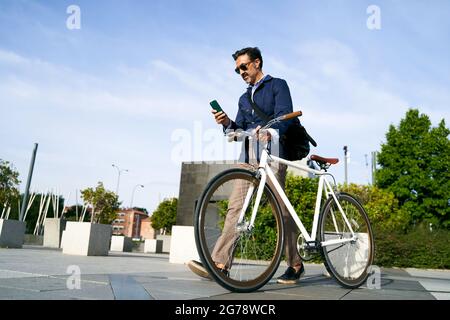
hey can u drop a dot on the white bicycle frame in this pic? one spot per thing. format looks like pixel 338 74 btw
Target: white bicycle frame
pixel 324 186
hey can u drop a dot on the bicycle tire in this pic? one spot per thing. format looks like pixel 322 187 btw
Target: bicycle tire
pixel 248 272
pixel 350 265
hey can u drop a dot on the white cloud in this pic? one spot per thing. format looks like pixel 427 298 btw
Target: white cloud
pixel 8 57
pixel 344 106
pixel 91 119
pixel 84 122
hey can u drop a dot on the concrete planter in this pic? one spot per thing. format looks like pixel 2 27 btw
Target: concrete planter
pixel 182 245
pixel 53 230
pixel 166 242
pixel 153 246
pixel 12 233
pixel 121 243
pixel 87 239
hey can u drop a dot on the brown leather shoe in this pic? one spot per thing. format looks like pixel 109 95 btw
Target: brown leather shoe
pixel 198 268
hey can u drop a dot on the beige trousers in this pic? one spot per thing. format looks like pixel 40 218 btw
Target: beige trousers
pixel 223 249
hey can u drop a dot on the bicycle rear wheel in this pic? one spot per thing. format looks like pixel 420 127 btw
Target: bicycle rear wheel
pixel 348 262
pixel 251 256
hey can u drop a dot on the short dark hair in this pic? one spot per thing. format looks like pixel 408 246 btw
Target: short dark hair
pixel 253 53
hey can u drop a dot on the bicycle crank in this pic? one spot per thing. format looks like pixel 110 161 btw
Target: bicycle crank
pixel 306 250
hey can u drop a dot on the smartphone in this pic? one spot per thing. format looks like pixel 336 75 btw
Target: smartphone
pixel 215 105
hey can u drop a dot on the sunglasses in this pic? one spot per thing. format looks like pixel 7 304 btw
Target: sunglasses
pixel 242 67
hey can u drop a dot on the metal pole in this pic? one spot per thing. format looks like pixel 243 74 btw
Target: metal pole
pixel 76 204
pixel 374 166
pixel 367 169
pixel 345 164
pixel 132 194
pixel 118 178
pixel 118 181
pixel 27 188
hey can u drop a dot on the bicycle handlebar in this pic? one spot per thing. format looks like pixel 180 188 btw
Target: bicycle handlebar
pixel 291 115
pixel 238 135
pixel 284 117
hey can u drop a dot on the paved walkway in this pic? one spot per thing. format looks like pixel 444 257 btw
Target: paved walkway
pixel 39 273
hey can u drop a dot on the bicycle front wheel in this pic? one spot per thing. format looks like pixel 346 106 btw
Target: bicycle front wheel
pixel 251 255
pixel 348 262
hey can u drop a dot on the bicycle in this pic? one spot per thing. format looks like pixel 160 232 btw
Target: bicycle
pixel 341 230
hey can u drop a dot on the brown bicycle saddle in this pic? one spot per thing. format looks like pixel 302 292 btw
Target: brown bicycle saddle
pixel 323 160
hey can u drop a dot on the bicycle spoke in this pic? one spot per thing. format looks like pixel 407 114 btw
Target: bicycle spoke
pixel 252 256
pixel 348 262
pixel 336 248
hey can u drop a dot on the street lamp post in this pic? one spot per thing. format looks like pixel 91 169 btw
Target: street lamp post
pixel 132 194
pixel 118 178
pixel 345 164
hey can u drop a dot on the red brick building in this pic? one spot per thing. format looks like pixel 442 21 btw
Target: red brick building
pixel 133 223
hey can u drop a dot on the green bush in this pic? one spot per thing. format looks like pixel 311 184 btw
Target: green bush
pixel 397 243
pixel 381 206
pixel 418 248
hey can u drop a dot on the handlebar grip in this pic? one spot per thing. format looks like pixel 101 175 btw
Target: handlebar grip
pixel 291 115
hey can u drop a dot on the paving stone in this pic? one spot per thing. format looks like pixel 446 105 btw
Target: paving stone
pixel 41 273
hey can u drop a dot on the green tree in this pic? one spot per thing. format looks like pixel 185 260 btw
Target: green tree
pixel 414 166
pixel 71 213
pixel 9 184
pixel 164 217
pixel 105 203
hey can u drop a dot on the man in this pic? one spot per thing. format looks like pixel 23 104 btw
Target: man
pixel 273 98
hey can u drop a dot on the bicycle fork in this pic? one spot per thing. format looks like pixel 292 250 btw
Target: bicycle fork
pixel 248 226
pixel 329 191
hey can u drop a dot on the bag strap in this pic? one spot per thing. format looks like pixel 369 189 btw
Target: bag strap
pixel 311 140
pixel 255 107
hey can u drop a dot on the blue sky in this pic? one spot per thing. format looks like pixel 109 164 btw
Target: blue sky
pixel 137 75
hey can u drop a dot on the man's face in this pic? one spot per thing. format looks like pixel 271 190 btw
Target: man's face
pixel 248 68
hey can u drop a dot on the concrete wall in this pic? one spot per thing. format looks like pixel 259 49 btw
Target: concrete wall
pixel 194 177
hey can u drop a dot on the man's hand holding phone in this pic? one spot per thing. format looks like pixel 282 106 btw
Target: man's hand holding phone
pixel 220 116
